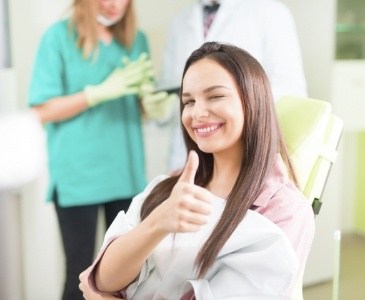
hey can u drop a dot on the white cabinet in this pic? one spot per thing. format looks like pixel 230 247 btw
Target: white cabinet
pixel 349 103
pixel 348 88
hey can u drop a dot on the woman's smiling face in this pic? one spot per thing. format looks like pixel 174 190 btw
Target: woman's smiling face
pixel 212 108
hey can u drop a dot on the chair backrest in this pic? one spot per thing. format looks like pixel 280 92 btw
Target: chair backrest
pixel 312 134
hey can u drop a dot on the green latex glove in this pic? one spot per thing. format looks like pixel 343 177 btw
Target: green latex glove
pixel 159 106
pixel 121 82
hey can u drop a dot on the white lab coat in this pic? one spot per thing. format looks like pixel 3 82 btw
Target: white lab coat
pixel 256 262
pixel 265 28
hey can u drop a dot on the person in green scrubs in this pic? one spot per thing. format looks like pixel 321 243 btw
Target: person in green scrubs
pixel 85 85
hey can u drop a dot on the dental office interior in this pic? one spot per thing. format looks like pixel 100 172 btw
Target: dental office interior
pixel 332 40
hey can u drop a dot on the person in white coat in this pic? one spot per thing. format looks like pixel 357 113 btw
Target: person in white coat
pixel 265 28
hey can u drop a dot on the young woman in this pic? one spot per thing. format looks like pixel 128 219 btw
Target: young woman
pixel 87 73
pixel 233 224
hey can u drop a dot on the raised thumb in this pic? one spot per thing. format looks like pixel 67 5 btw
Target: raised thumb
pixel 191 166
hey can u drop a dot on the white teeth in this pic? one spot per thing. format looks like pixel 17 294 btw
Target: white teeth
pixel 207 129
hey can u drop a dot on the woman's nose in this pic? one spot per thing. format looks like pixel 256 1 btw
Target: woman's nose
pixel 200 110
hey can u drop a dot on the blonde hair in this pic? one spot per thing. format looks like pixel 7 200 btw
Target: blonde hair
pixel 84 20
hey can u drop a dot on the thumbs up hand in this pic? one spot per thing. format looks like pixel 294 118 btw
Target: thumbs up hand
pixel 188 206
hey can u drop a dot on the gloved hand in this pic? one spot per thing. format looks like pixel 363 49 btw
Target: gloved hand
pixel 121 82
pixel 159 106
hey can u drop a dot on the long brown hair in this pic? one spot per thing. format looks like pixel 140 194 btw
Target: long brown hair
pixel 84 20
pixel 261 138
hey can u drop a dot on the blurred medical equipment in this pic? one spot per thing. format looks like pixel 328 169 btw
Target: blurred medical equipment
pixel 312 133
pixel 23 149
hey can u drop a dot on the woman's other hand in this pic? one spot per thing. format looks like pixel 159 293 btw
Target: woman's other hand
pixel 88 292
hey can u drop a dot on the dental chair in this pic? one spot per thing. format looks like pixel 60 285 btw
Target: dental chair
pixel 312 134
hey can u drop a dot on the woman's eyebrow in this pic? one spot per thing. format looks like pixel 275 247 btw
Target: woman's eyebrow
pixel 185 94
pixel 213 87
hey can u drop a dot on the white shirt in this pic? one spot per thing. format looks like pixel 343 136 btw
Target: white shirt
pixel 244 269
pixel 265 28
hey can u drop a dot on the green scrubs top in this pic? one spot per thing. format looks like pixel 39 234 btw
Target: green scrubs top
pixel 97 156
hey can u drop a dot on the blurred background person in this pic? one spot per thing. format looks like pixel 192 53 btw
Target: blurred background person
pixel 265 28
pixel 86 77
